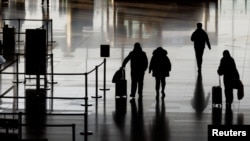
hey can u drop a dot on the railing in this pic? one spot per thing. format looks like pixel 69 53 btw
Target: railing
pixel 19 123
pixel 86 105
pixel 48 22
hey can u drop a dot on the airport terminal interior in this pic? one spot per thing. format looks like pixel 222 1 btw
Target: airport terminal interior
pixel 70 96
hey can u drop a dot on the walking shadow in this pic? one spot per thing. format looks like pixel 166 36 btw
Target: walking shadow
pixel 137 121
pixel 160 127
pixel 199 101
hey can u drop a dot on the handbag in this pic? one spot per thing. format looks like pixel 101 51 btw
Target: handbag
pixel 119 75
pixel 240 89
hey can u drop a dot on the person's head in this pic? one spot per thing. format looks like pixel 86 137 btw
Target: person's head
pixel 199 25
pixel 137 47
pixel 162 51
pixel 226 53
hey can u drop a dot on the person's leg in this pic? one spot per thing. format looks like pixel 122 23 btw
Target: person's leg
pixel 140 83
pixel 133 85
pixel 229 95
pixel 199 55
pixel 134 81
pixel 157 86
pixel 163 84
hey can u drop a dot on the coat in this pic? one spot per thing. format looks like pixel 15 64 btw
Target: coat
pixel 160 64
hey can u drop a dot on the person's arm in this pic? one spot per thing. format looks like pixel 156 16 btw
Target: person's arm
pixel 208 42
pixel 220 70
pixel 151 64
pixel 125 61
pixel 192 36
pixel 170 65
pixel 146 62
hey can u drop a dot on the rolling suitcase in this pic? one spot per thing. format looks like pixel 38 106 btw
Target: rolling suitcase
pixel 217 95
pixel 120 83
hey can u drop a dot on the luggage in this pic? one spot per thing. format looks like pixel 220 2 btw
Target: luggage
pixel 240 89
pixel 121 88
pixel 217 95
pixel 120 83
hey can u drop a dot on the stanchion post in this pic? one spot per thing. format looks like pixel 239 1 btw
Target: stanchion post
pixel 104 80
pixel 104 53
pixel 73 132
pixel 20 114
pixel 86 132
pixel 96 85
pixel 19 30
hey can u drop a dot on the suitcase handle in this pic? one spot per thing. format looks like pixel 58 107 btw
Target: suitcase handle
pixel 123 74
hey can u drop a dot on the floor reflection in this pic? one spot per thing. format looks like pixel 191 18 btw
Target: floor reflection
pixel 137 121
pixel 160 129
pixel 119 116
pixel 35 109
pixel 199 101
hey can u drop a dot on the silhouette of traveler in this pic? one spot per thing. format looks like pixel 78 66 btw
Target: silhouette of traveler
pixel 139 63
pixel 200 38
pixel 228 69
pixel 161 66
pixel 46 1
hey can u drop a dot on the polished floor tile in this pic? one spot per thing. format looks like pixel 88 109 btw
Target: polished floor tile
pixel 81 26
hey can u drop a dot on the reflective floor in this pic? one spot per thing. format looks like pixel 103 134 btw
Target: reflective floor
pixel 79 27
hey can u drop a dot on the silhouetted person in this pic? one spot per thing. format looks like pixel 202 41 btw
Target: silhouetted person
pixel 139 63
pixel 47 2
pixel 228 69
pixel 160 65
pixel 200 38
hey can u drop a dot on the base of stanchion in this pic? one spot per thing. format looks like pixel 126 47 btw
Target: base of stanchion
pixel 51 42
pixel 96 96
pixel 85 105
pixel 105 89
pixel 17 81
pixel 88 133
pixel 20 41
pixel 52 82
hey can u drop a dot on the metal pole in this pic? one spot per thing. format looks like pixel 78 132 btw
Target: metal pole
pixel 104 80
pixel 73 132
pixel 96 84
pixel 96 81
pixel 20 125
pixel 19 30
pixel 86 132
pixel 86 106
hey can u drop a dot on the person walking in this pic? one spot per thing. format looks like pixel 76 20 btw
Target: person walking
pixel 47 2
pixel 228 69
pixel 200 38
pixel 138 63
pixel 160 65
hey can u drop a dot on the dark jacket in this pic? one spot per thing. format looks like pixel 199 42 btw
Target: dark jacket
pixel 160 63
pixel 200 38
pixel 139 60
pixel 228 69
